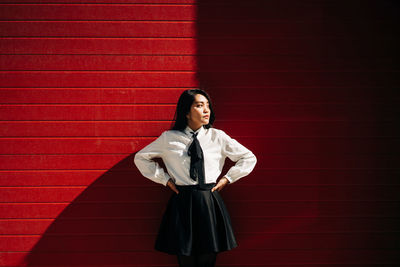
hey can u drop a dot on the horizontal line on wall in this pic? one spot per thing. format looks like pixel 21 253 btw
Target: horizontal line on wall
pixel 95 4
pixel 194 21
pixel 218 87
pixel 249 120
pixel 110 71
pixel 261 217
pixel 157 218
pixel 106 71
pixel 73 186
pixel 55 54
pixel 190 87
pixel 356 155
pixel 104 3
pixel 242 38
pixel 248 184
pixel 231 201
pixel 197 22
pixel 258 169
pixel 101 38
pixel 252 249
pixel 220 121
pixel 226 103
pixel 263 169
pixel 131 88
pixel 143 54
pixel 239 233
pixel 76 137
pixel 194 36
pixel 176 55
pixel 376 122
pixel 77 121
pixel 59 170
pixel 172 3
pixel 80 104
pixel 384 264
pixel 119 21
pixel 158 186
pixel 30 137
pixel 204 20
pixel 125 20
pixel 208 21
pixel 116 3
pixel 83 154
pixel 185 70
pixel 320 70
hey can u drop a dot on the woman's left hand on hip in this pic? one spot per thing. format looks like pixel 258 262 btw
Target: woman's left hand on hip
pixel 221 184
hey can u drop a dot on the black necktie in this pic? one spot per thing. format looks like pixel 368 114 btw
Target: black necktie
pixel 196 161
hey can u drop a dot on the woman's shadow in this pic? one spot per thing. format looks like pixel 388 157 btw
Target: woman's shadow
pixel 112 222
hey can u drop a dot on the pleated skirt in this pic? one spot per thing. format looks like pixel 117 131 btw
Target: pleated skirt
pixel 195 221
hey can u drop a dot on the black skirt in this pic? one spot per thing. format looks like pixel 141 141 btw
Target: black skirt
pixel 195 221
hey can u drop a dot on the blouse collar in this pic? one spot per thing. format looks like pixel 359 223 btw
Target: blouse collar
pixel 189 131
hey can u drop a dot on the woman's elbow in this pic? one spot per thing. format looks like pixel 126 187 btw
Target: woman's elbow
pixel 137 159
pixel 254 159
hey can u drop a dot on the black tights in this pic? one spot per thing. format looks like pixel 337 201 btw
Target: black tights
pixel 201 260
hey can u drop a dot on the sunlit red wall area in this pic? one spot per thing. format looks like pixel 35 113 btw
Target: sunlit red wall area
pixel 311 87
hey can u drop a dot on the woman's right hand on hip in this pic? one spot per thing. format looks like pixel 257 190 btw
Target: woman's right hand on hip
pixel 171 185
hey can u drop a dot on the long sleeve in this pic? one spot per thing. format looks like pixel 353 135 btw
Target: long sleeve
pixel 244 158
pixel 147 166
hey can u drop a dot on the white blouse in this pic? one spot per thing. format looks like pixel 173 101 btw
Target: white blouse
pixel 172 146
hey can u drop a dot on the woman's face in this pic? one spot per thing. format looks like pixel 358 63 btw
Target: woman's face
pixel 199 113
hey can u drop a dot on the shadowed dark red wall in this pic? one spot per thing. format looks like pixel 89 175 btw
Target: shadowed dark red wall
pixel 310 86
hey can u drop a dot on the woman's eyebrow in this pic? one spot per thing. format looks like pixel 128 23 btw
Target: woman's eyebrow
pixel 202 102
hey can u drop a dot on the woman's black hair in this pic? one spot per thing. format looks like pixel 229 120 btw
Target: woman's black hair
pixel 183 108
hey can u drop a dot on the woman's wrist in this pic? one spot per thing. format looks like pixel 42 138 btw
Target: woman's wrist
pixel 227 180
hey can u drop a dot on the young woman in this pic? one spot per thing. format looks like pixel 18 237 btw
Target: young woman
pixel 196 224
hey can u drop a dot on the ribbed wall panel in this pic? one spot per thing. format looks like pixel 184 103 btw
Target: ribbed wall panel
pixel 137 225
pixel 323 68
pixel 61 63
pixel 336 210
pixel 309 86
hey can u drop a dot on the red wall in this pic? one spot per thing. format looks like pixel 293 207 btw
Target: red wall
pixel 312 89
pixel 309 86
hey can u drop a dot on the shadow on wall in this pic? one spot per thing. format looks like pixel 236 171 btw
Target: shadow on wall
pixel 249 56
pixel 305 85
pixel 112 222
